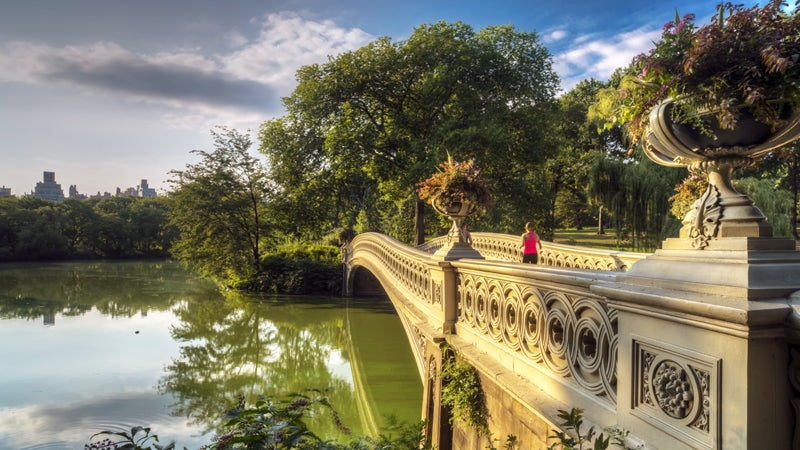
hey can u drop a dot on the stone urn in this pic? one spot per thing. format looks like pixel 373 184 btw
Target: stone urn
pixel 456 210
pixel 721 211
pixel 725 245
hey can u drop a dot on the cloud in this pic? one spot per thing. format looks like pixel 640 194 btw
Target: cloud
pixel 555 35
pixel 592 57
pixel 285 43
pixel 72 422
pixel 177 79
pixel 252 78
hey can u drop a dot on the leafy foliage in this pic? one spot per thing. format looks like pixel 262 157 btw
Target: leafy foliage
pixel 636 194
pixel 462 393
pixel 120 227
pixel 124 440
pixel 580 147
pixel 773 203
pixel 456 181
pixel 364 128
pixel 687 192
pixel 293 275
pixel 572 421
pixel 273 425
pixel 219 206
pixel 748 58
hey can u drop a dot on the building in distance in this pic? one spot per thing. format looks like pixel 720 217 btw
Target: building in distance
pixel 48 189
pixel 143 190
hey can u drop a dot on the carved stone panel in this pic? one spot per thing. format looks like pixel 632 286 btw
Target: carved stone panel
pixel 677 390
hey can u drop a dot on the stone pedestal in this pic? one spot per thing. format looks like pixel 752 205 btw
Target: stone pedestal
pixel 702 372
pixel 740 268
pixel 456 246
pixel 450 252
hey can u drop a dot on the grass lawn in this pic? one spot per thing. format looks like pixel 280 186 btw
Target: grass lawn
pixel 588 237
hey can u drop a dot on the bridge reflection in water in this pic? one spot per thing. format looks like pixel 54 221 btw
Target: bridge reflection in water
pixel 687 358
pixel 379 368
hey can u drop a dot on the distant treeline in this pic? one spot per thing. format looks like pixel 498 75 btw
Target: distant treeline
pixel 32 229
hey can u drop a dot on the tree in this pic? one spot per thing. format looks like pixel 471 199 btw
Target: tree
pixel 633 191
pixel 80 226
pixel 781 166
pixel 579 147
pixel 636 193
pixel 113 238
pixel 364 128
pixel 218 207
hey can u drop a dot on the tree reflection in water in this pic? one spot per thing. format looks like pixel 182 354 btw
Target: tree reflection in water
pixel 222 346
pixel 250 347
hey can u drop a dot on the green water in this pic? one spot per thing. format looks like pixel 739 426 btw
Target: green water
pixel 92 346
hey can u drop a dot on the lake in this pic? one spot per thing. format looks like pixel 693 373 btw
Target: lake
pixel 92 346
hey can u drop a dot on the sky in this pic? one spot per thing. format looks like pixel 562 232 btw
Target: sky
pixel 106 93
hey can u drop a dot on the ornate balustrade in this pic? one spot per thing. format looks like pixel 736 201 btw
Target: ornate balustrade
pixel 680 365
pixel 506 247
pixel 400 265
pixel 544 318
pixel 547 321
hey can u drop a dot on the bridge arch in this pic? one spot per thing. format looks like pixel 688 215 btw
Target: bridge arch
pixel 404 275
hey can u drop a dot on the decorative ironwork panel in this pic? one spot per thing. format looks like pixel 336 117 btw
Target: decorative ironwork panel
pixel 412 274
pixel 506 247
pixel 572 335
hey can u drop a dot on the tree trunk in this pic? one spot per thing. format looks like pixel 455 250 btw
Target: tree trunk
pixel 600 228
pixel 419 223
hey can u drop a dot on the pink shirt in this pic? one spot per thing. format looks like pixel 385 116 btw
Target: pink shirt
pixel 530 245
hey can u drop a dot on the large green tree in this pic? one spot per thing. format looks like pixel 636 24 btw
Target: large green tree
pixel 580 146
pixel 362 129
pixel 218 206
pixel 633 190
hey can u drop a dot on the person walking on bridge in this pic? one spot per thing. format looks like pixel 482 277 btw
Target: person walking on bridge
pixel 530 245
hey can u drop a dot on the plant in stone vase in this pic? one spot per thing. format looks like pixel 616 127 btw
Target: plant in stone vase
pixel 713 99
pixel 457 188
pixel 686 193
pixel 741 68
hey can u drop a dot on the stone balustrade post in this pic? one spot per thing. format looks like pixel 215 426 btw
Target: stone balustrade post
pixel 444 292
pixel 699 371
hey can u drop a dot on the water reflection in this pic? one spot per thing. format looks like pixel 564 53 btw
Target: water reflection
pixel 93 346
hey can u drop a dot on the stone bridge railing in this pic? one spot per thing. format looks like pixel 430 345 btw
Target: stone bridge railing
pixel 504 247
pixel 679 365
pixel 543 325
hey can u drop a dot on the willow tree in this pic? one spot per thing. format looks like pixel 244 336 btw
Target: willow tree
pixel 633 190
pixel 636 194
pixel 362 129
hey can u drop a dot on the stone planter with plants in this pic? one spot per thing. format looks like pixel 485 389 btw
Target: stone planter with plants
pixel 714 98
pixel 457 190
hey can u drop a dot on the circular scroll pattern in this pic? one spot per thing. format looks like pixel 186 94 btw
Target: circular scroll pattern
pixel 572 336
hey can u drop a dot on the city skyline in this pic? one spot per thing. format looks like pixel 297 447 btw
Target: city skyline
pixel 49 177
pixel 100 91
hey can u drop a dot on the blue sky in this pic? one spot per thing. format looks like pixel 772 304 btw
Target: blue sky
pixel 108 92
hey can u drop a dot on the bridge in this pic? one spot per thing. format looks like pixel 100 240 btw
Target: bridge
pixel 678 351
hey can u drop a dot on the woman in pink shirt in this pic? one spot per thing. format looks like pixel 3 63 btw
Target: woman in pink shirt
pixel 530 245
